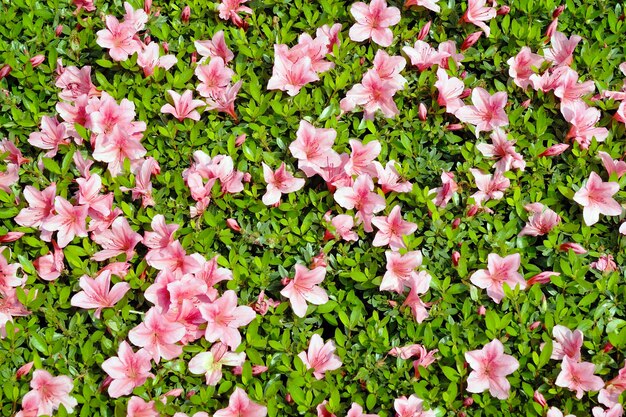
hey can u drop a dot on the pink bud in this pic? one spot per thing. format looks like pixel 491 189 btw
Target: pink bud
pixel 466 93
pixel 11 237
pixel 575 247
pixel 471 40
pixel 454 126
pixel 554 150
pixel 194 57
pixel 481 311
pixel 464 75
pixel 456 256
pixel 542 278
pixel 468 401
pixel 504 10
pixel 105 384
pixel 186 14
pixel 424 31
pixel 328 235
pixel 456 223
pixel 608 347
pixel 285 280
pixel 240 140
pixel 422 112
pixel 166 46
pixel 526 103
pixel 535 325
pixel 176 392
pixel 147 40
pixel 190 394
pixel 247 177
pixel 147 5
pixel 557 12
pixel 23 370
pixel 319 260
pixel 551 29
pixel 392 303
pixel 259 369
pixel 288 399
pixel 539 399
pixel 472 211
pixel 4 71
pixel 58 30
pixel 233 225
pixel 37 60
pixel 462 414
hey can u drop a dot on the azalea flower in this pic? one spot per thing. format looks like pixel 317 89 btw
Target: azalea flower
pixel 612 166
pixel 361 157
pixel 119 239
pixel 424 56
pixel 215 48
pixel 562 50
pixel 49 267
pixel 240 405
pixel 69 222
pixel 583 119
pixel 361 198
pixel 128 370
pixel 224 317
pixel 279 182
pixel 213 77
pixel 137 407
pixel 503 150
pixel 540 221
pixel 320 357
pixel 428 4
pixel 161 235
pixel 52 135
pixel 304 288
pixel 446 191
pixel 289 75
pixel 174 258
pixel 184 106
pixel 411 407
pixel 490 366
pixel 567 343
pixel 372 94
pixel 48 393
pixel 149 58
pixel 343 225
pixel 400 270
pixel 521 66
pixel 499 271
pixel 450 91
pixel 389 67
pixel 605 263
pixel 477 13
pixel 322 411
pixel 419 284
pixel 373 22
pixel 210 363
pixel 490 187
pixel 357 411
pixel 40 206
pixel 230 9
pixel 389 179
pixel 313 148
pixel 98 294
pixel 392 229
pixel 123 142
pixel 578 376
pixel 596 197
pixel 487 113
pixel 569 89
pixel 555 412
pixel 119 38
pixel 158 335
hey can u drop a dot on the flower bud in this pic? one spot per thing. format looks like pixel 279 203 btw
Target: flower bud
pixel 542 278
pixel 535 325
pixel 575 247
pixel 194 57
pixel 186 14
pixel 540 399
pixel 247 177
pixel 555 150
pixel 468 401
pixel 504 10
pixel 11 237
pixel 608 347
pixel 456 223
pixel 37 60
pixel 456 256
pixel 5 70
pixel 551 29
pixel 166 46
pixel 240 140
pixel 454 126
pixel 422 112
pixel 466 93
pixel 481 311
pixel 557 12
pixel 58 31
pixel 472 211
pixel 147 40
pixel 471 40
pixel 147 5
pixel 526 103
pixel 23 370
pixel 424 31
pixel 233 225
pixel 289 399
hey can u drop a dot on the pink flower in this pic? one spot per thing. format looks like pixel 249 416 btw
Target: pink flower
pixel 499 271
pixel 411 407
pixel 158 336
pixel 596 197
pixel 97 293
pixel 118 38
pixel 428 4
pixel 388 68
pixel 279 182
pixel 137 407
pixel 612 166
pixel 40 206
pixel 304 288
pixel 615 411
pixel 128 370
pixel 50 266
pixel 51 136
pixel 361 198
pixel 69 222
pixel 24 370
pixel 119 239
pixel 48 393
pixel 503 150
pixel 320 357
pixel 448 50
pixel 578 376
pixel 8 274
pixel 555 412
pixel 184 106
pixel 541 220
pixel 161 235
pixel 400 270
pixel 373 22
pixel 487 113
pixel 490 187
pixel 391 229
pixel 372 94
pixel 521 66
pixel 123 142
pixel 561 53
pixel 313 148
pixel 213 77
pixel 240 405
pixel 389 179
pixel 149 58
pixel 425 358
pixel 83 4
pixel 76 82
pixel 554 150
pixel 174 258
pixel 229 10
pixel 446 191
pixel 322 411
pixel 224 317
pixel 569 89
pixel 424 56
pixel 137 18
pixel 224 101
pixel 343 225
pixel 357 411
pixel 361 157
pixel 605 263
pixel 450 90
pixel 419 284
pixel 490 366
pixel 477 13
pixel 567 343
pixel 575 247
pixel 214 48
pixel 210 363
pixel 290 75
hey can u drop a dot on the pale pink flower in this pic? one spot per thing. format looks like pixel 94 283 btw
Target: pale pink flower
pixel 373 22
pixel 240 405
pixel 490 366
pixel 224 100
pixel 578 376
pixel 407 352
pixel 503 150
pixel 392 229
pixel 184 106
pixel 150 58
pixel 450 91
pixel 446 191
pixel 76 82
pixel 137 407
pixel 174 258
pixel 428 4
pixel 425 358
pixel 137 18
pixel 97 293
pixel 50 266
pixel 569 89
pixel 596 197
pixel 289 75
pixel 361 198
pixel 161 235
pixel 389 68
pixel 123 142
pixel 263 303
pixel 356 410
pixel 214 48
pixel 69 222
pixel 448 50
pixel 419 284
pixel 615 411
pixel 331 33
pixel 279 182
pixel 119 239
pixel 8 273
pixel 213 77
pixel 521 66
pixel 562 50
pixel 48 393
pixel 210 363
pixel 224 317
pixel 555 412
pixel 490 187
pixel 612 166
pixel 40 206
pixel 605 263
pixel 88 195
pixel 411 407
pixel 320 357
pixel 540 221
pixel 424 56
pixel 477 13
pixel 322 411
pixel 83 4
pixel 158 335
pixel 362 157
pixel 401 268
pixel 303 288
pixel 128 370
pixel 52 135
pixel 566 343
pixel 343 225
pixel 487 113
pixel 118 38
pixel 389 179
pixel 230 9
pixel 499 271
pixel 313 148
pixel 143 183
pixel 372 94
pixel 583 120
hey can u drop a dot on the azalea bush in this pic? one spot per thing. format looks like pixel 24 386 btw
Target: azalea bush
pixel 281 208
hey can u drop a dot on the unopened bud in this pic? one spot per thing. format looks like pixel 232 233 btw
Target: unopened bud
pixel 233 225
pixel 557 12
pixel 240 139
pixel 456 256
pixel 422 112
pixel 504 10
pixel 5 70
pixel 186 14
pixel 471 40
pixel 58 31
pixel 424 31
pixel 456 223
pixel 147 5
